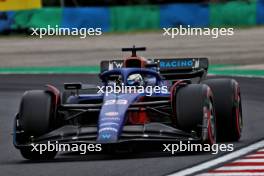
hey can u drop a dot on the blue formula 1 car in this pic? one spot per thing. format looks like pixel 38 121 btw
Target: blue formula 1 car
pixel 139 101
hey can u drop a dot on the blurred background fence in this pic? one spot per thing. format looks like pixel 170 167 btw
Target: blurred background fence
pixel 114 16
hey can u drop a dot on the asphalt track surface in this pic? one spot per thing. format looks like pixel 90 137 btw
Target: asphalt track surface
pixel 149 163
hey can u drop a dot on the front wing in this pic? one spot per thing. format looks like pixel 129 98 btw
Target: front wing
pixel 151 132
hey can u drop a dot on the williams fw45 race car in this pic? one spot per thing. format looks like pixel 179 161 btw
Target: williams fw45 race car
pixel 183 105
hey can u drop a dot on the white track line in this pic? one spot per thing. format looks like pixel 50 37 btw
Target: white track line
pixel 240 168
pixel 255 155
pixel 222 159
pixel 249 161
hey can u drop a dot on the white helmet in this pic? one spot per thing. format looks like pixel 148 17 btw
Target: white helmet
pixel 135 80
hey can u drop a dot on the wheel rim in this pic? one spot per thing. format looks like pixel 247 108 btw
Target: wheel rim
pixel 211 123
pixel 238 113
pixel 209 120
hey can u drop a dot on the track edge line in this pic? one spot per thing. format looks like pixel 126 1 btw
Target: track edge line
pixel 222 159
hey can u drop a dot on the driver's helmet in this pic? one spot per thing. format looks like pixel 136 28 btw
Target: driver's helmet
pixel 135 80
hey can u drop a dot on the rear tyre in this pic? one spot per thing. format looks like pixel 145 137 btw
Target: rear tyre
pixel 195 111
pixel 36 117
pixel 228 108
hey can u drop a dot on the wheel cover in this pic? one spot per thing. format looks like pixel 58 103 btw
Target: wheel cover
pixel 211 123
pixel 239 121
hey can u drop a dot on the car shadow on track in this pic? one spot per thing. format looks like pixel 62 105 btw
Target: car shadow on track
pixel 76 157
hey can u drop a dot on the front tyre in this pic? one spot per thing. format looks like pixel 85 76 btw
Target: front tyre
pixel 36 113
pixel 195 111
pixel 36 117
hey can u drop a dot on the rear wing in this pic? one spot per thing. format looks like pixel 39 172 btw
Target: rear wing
pixel 169 68
pixel 183 68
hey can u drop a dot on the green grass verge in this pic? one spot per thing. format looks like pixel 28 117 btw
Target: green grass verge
pixel 238 72
pixel 213 69
pixel 220 70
